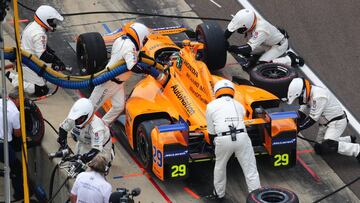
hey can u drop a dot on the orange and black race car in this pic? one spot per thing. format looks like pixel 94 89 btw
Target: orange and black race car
pixel 164 121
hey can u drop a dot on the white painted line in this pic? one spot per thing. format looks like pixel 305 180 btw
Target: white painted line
pixel 311 75
pixel 218 5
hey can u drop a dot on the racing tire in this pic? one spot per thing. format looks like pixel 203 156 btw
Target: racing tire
pixel 34 124
pixel 272 195
pixel 144 142
pixel 273 77
pixel 214 53
pixel 91 53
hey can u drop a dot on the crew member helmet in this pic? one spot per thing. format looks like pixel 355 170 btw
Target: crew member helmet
pixel 138 32
pixel 46 16
pixel 243 21
pixel 298 88
pixel 81 112
pixel 224 87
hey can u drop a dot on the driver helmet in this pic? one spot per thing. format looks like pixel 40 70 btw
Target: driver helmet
pixel 81 112
pixel 299 88
pixel 224 88
pixel 244 21
pixel 138 32
pixel 46 16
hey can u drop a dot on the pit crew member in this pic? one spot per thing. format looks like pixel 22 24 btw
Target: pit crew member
pixel 13 118
pixel 325 109
pixel 92 137
pixel 34 40
pixel 126 47
pixel 224 118
pixel 91 186
pixel 264 38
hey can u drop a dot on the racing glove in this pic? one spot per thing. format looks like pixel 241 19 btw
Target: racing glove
pixel 305 123
pixel 62 139
pixel 244 50
pixel 227 34
pixel 145 68
pixel 89 155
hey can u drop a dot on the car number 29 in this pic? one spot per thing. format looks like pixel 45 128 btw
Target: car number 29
pixel 281 160
pixel 178 170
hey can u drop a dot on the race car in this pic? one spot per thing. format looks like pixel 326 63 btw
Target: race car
pixel 164 121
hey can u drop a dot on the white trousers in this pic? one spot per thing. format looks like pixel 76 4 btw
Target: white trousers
pixel 273 53
pixel 242 147
pixel 333 131
pixel 106 91
pixel 28 87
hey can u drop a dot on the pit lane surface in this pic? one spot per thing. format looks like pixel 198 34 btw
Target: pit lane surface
pixel 200 182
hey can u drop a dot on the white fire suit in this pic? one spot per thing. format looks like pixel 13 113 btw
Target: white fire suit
pixel 324 107
pixel 34 41
pixel 267 40
pixel 95 135
pixel 123 48
pixel 220 113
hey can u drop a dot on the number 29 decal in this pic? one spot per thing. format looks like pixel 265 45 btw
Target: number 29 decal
pixel 157 157
pixel 178 170
pixel 281 160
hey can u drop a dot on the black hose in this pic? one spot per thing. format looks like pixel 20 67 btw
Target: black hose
pixel 57 192
pixel 51 126
pixel 133 13
pixel 52 180
pixel 346 185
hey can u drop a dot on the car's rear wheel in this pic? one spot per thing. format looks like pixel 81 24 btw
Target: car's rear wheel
pixel 214 53
pixel 91 53
pixel 272 195
pixel 144 143
pixel 273 77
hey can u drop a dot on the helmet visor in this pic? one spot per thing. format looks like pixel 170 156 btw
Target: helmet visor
pixel 81 120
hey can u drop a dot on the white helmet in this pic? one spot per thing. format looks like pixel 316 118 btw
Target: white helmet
pixel 46 15
pixel 243 21
pixel 224 87
pixel 81 112
pixel 139 32
pixel 298 87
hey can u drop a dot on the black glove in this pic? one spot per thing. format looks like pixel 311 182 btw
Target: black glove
pixel 227 34
pixel 62 139
pixel 89 156
pixel 244 50
pixel 306 123
pixel 301 115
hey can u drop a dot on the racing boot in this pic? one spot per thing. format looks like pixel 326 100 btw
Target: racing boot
pixel 327 146
pixel 295 59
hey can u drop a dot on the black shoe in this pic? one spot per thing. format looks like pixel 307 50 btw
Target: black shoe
pixel 7 74
pixel 295 59
pixel 353 138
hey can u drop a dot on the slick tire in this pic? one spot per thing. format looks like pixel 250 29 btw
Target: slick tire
pixel 272 195
pixel 91 53
pixel 34 124
pixel 214 53
pixel 273 77
pixel 144 143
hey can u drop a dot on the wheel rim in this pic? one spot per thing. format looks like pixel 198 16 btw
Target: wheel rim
pixel 273 196
pixel 142 147
pixel 275 72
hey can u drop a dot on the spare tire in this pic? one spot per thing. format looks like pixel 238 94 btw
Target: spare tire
pixel 91 53
pixel 214 53
pixel 273 77
pixel 34 124
pixel 272 195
